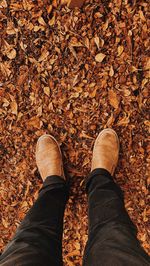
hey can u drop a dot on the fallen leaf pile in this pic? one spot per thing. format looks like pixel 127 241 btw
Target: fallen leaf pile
pixel 72 73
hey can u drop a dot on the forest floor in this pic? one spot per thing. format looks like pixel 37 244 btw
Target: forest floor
pixel 72 73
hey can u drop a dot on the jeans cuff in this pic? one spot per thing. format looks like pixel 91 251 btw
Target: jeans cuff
pixel 55 182
pixel 94 173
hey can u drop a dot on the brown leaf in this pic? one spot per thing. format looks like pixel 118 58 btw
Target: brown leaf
pixel 47 91
pixel 23 75
pixel 72 50
pixel 87 43
pixel 3 3
pixel 111 72
pixel 113 98
pixel 96 40
pixel 142 15
pixel 147 65
pixel 4 67
pixel 43 56
pixel 75 43
pixel 52 21
pixel 41 21
pixel 120 49
pixel 110 120
pixel 5 223
pixel 93 93
pixel 100 57
pixel 34 122
pixel 39 111
pixel 14 107
pixel 105 26
pixel 124 121
pixel 11 54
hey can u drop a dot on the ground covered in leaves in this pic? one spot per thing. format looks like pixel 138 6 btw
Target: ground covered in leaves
pixel 71 73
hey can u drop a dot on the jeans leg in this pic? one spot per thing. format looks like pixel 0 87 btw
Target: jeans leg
pixel 38 240
pixel 112 237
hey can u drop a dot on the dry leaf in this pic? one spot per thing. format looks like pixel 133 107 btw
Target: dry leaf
pixel 93 93
pixel 52 21
pixel 147 65
pixel 11 54
pixel 23 75
pixel 111 72
pixel 27 5
pixel 47 91
pixel 100 57
pixel 110 120
pixel 87 43
pixel 3 3
pixel 34 122
pixel 10 31
pixel 126 92
pixel 98 15
pixel 39 111
pixel 102 42
pixel 37 28
pixel 5 102
pixel 133 69
pixel 78 89
pixel 124 121
pixel 120 49
pixel 14 107
pixel 49 9
pixel 147 123
pixel 84 135
pixel 113 98
pixel 4 67
pixel 72 50
pixel 144 82
pixel 142 15
pixel 75 80
pixel 43 56
pixel 75 43
pixel 5 223
pixel 41 21
pixel 96 40
pixel 105 26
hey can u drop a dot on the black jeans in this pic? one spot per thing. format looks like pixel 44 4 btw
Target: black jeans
pixel 112 236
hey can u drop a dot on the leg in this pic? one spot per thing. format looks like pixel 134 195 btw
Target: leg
pixel 112 235
pixel 38 241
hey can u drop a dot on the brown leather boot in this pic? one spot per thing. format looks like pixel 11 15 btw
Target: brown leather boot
pixel 106 151
pixel 49 157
